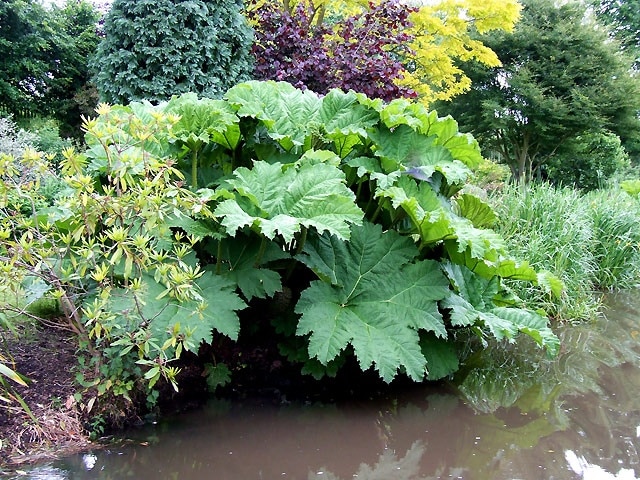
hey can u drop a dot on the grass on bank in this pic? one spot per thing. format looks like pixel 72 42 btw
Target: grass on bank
pixel 591 241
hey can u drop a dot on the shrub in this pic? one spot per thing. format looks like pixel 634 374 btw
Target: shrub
pixel 153 49
pixel 14 141
pixel 47 138
pixel 588 162
pixel 352 206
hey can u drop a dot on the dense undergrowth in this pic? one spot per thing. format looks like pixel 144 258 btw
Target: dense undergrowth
pixel 589 240
pixel 344 229
pixel 179 216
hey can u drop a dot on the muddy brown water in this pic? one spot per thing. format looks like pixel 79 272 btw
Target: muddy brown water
pixel 512 414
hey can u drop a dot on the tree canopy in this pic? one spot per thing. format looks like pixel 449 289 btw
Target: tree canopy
pixel 624 17
pixel 44 65
pixel 154 49
pixel 560 77
pixel 416 50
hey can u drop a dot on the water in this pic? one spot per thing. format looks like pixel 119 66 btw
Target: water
pixel 512 414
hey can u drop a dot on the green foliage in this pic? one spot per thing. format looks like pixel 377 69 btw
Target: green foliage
pixel 560 77
pixel 590 241
pixel 632 187
pixel 588 161
pixel 615 218
pixel 624 18
pixel 154 49
pixel 45 65
pixel 374 299
pixel 47 137
pixel 551 227
pixel 352 206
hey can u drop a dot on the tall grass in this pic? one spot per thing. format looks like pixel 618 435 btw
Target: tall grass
pixel 615 217
pixel 552 229
pixel 591 241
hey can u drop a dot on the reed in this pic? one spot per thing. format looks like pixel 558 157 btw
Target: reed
pixel 552 228
pixel 615 217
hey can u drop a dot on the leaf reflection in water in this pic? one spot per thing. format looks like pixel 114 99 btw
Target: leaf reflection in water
pixel 389 466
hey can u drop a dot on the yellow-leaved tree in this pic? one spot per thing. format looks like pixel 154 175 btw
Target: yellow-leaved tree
pixel 442 35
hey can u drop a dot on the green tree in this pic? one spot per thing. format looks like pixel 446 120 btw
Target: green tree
pixel 71 93
pixel 624 17
pixel 23 64
pixel 560 77
pixel 154 49
pixel 588 161
pixel 44 66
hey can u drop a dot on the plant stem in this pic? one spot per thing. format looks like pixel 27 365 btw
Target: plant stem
pixel 302 240
pixel 376 213
pixel 263 248
pixel 219 258
pixel 194 169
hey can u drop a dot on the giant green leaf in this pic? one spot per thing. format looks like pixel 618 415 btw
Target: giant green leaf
pixel 475 209
pixel 430 216
pixel 289 114
pixel 472 304
pixel 373 299
pixel 346 122
pixel 242 260
pixel 196 320
pixel 279 200
pixel 203 120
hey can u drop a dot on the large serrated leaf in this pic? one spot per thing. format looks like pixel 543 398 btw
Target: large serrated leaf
pixel 277 200
pixel 241 261
pixel 406 147
pixel 196 320
pixel 204 120
pixel 346 121
pixel 342 114
pixel 288 114
pixel 431 220
pixel 374 300
pixel 478 211
pixel 471 304
pixel 441 356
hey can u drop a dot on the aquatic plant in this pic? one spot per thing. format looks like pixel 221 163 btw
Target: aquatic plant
pixel 552 228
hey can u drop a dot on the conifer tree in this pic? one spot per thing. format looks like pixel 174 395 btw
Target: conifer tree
pixel 154 49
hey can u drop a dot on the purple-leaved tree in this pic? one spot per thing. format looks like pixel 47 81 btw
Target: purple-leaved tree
pixel 362 52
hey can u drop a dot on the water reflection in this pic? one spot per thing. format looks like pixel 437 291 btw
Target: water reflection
pixel 512 414
pixel 588 471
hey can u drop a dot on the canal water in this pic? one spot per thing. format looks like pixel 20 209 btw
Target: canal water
pixel 511 414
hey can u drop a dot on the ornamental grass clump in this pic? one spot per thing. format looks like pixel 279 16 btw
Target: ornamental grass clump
pixel 616 248
pixel 552 228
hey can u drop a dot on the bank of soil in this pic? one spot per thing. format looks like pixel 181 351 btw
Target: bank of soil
pixel 61 427
pixel 48 359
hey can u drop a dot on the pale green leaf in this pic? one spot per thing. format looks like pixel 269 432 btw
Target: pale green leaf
pixel 11 374
pixel 478 211
pixel 280 201
pixel 288 114
pixel 374 301
pixel 346 121
pixel 550 283
pixel 472 304
pixel 197 320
